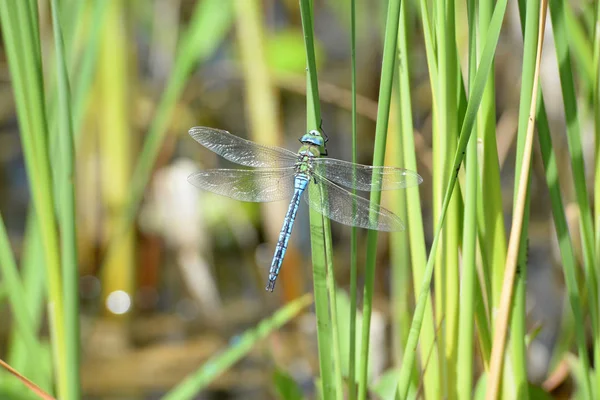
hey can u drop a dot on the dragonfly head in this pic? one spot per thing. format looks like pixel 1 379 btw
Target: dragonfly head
pixel 313 137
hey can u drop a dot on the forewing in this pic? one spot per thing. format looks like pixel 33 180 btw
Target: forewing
pixel 364 177
pixel 260 185
pixel 242 151
pixel 342 206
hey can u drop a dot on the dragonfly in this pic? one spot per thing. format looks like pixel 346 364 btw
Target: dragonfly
pixel 278 174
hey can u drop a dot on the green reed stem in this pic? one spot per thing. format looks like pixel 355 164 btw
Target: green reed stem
pixel 66 204
pixel 353 236
pixel 319 226
pixel 383 111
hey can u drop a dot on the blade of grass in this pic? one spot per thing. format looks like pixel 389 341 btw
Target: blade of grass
pixel 20 28
pixel 444 138
pixel 481 76
pixel 464 384
pixel 352 389
pixel 490 217
pixel 335 332
pixel 530 26
pixel 66 203
pixel 240 346
pixel 414 220
pixel 500 327
pixel 400 292
pixel 559 26
pixel 25 325
pixel 580 46
pixel 596 107
pixel 564 239
pixel 319 225
pixel 381 127
pixel 34 279
pixel 114 147
pixel 85 75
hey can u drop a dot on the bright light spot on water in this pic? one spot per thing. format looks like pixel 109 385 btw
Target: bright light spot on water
pixel 118 302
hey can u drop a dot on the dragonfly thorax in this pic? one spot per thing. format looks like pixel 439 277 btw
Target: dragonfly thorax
pixel 305 159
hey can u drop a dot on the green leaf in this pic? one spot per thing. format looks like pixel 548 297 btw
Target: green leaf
pixel 286 386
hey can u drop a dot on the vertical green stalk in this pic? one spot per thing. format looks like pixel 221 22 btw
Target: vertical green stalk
pixel 353 239
pixel 564 239
pixel 469 275
pixel 20 27
pixel 444 146
pixel 596 107
pixel 490 217
pixel 400 293
pixel 66 204
pixel 428 349
pixel 115 148
pixel 518 329
pixel 441 156
pixel 86 73
pixel 25 325
pixel 557 13
pixel 383 110
pixel 319 226
pixel 33 278
pixel 335 333
pixel 447 133
pixel 596 111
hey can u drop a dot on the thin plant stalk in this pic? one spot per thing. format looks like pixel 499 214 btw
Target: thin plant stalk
pixel 67 214
pixel 468 279
pixel 592 280
pixel 500 327
pixel 428 349
pixel 383 110
pixel 444 137
pixel 353 234
pixel 564 239
pixel 517 342
pixel 596 108
pixel 319 226
pixel 20 30
pixel 33 278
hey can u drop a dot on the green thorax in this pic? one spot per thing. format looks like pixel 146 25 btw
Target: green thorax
pixel 312 143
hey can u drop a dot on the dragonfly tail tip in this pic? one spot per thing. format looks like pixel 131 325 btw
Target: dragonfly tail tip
pixel 270 286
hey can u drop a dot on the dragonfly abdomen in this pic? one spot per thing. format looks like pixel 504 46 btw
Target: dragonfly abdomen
pixel 300 183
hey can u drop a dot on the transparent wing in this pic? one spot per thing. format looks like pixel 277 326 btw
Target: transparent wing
pixel 342 206
pixel 341 172
pixel 260 185
pixel 242 151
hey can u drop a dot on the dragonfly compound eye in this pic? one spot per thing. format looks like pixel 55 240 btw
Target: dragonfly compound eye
pixel 313 137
